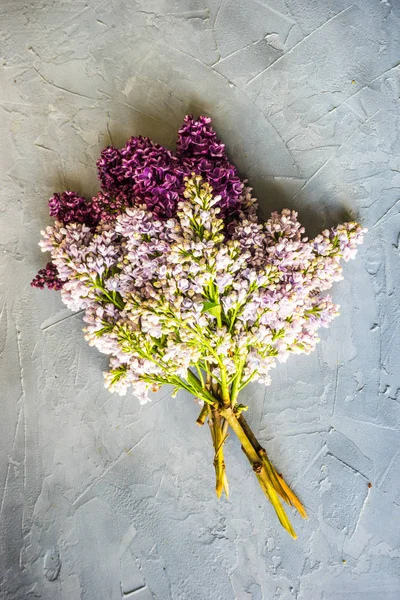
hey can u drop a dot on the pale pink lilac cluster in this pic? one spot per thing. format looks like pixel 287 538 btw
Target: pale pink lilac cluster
pixel 165 296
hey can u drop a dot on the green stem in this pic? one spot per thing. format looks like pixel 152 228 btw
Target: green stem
pixel 277 481
pixel 233 319
pixel 203 414
pixel 236 382
pixel 224 388
pixel 247 381
pixel 118 302
pixel 258 468
pixel 200 375
pixel 203 393
pixel 219 463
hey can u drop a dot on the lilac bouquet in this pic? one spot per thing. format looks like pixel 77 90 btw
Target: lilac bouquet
pixel 181 284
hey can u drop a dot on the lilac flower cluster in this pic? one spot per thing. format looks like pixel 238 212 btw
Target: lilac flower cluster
pixel 48 277
pixel 69 207
pixel 142 172
pixel 145 173
pixel 203 153
pixel 163 296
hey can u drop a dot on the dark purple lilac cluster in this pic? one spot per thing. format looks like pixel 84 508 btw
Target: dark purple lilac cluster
pixel 146 172
pixel 69 207
pixel 203 153
pixel 143 172
pixel 48 277
pixel 109 205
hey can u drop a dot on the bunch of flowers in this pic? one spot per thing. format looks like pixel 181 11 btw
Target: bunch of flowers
pixel 181 284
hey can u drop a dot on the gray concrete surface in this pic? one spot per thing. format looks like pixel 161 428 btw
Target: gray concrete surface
pixel 100 496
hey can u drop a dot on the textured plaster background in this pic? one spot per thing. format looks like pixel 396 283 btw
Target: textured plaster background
pixel 99 496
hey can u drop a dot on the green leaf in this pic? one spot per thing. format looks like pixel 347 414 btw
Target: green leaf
pixel 104 330
pixel 277 334
pixel 214 308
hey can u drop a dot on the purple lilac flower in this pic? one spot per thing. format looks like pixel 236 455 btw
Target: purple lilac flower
pixel 69 207
pixel 142 172
pixel 145 172
pixel 203 153
pixel 110 173
pixel 198 139
pixel 48 277
pixel 109 205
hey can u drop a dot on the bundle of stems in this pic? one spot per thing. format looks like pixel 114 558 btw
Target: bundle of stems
pixel 223 412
